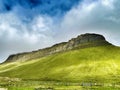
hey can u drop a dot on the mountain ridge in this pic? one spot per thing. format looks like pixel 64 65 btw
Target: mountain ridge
pixel 81 41
pixel 96 61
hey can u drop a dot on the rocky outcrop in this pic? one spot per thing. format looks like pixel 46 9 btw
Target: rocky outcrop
pixel 82 41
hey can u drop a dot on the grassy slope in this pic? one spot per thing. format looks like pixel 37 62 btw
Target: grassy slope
pixel 96 63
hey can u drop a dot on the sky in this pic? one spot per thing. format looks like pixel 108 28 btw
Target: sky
pixel 27 25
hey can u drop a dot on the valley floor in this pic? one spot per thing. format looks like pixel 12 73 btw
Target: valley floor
pixel 55 85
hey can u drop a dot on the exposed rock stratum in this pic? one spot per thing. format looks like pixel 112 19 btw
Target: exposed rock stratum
pixel 82 41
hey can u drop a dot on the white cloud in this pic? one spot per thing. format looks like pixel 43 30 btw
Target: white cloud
pixel 16 36
pixel 101 17
pixel 107 3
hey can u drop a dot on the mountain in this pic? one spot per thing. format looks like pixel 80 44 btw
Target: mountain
pixel 82 41
pixel 89 57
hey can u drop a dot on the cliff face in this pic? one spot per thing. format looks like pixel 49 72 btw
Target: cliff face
pixel 82 41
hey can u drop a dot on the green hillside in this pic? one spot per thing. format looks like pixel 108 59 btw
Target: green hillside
pixel 101 63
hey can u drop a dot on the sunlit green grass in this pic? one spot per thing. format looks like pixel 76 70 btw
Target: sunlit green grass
pixel 20 88
pixel 96 63
pixel 89 65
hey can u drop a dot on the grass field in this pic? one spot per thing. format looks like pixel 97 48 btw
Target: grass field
pixel 57 85
pixel 99 67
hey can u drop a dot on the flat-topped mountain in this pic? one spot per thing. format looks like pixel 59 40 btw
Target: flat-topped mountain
pixel 82 41
pixel 89 57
